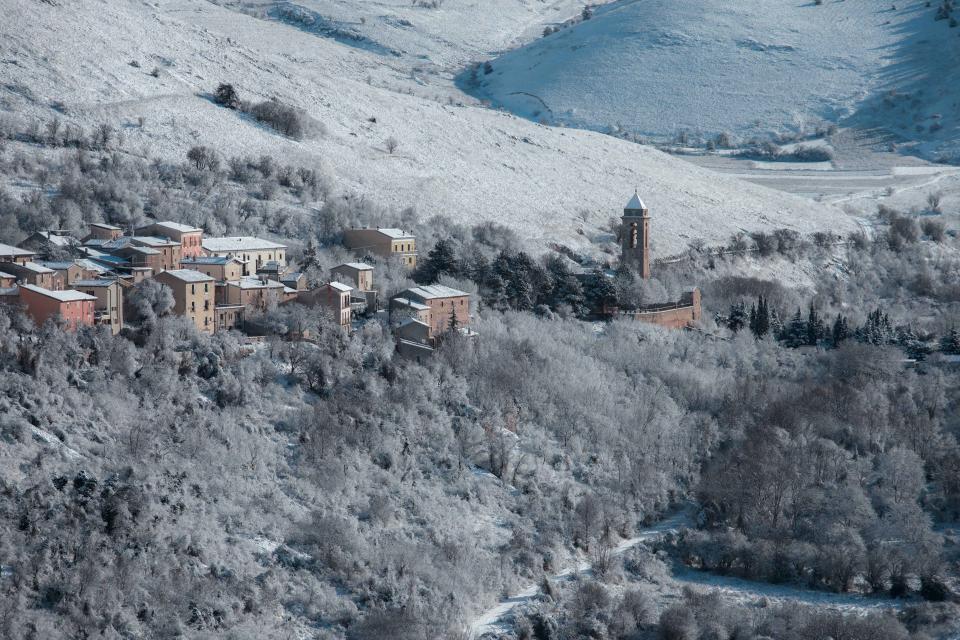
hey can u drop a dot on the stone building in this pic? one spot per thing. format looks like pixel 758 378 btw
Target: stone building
pixel 34 273
pixel 250 291
pixel 358 275
pixel 108 308
pixel 334 296
pixel 386 243
pixel 220 268
pixel 190 238
pixel 102 231
pixel 15 254
pixel 442 304
pixel 73 308
pixel 193 296
pixel 251 252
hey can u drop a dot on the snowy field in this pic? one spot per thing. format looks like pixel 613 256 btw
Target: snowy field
pixel 464 161
pixel 752 67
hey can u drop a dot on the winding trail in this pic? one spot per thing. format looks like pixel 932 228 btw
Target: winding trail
pixel 732 589
pixel 490 621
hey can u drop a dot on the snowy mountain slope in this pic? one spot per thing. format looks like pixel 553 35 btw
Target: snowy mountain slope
pixel 469 163
pixel 446 36
pixel 656 67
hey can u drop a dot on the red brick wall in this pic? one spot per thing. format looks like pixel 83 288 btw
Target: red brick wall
pixel 440 312
pixel 41 308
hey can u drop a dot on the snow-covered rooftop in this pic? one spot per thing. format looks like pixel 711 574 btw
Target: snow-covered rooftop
pixel 396 234
pixel 339 286
pixel 8 250
pixel 58 239
pixel 153 241
pixel 188 275
pixel 240 243
pixel 93 282
pixel 90 265
pixel 35 267
pixel 208 260
pixel 252 282
pixel 434 291
pixel 62 296
pixel 359 266
pixel 407 302
pixel 172 226
pixel 56 265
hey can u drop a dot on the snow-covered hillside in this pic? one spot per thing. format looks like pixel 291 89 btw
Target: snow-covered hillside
pixel 151 66
pixel 751 67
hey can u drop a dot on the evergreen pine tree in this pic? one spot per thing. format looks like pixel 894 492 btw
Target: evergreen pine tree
pixel 876 330
pixel 496 294
pixel 453 324
pixel 815 328
pixel 602 293
pixel 738 317
pixel 776 324
pixel 441 260
pixel 763 318
pixel 841 330
pixel 521 293
pixel 795 333
pixel 311 256
pixel 950 343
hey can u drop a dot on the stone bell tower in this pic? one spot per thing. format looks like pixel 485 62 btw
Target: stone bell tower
pixel 635 236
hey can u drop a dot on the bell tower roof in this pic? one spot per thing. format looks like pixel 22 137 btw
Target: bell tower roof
pixel 635 204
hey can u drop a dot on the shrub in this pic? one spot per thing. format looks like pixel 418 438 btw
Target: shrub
pixel 227 96
pixel 285 119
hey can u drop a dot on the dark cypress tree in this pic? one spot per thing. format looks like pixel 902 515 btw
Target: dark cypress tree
pixel 841 330
pixel 795 333
pixel 815 328
pixel 763 318
pixel 453 324
pixel 760 318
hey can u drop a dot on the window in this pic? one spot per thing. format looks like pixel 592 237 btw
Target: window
pixel 206 287
pixel 193 289
pixel 193 306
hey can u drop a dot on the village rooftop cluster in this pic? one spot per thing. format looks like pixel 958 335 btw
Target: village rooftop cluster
pixel 216 282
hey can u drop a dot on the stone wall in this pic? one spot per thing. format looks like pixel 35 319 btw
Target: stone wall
pixel 683 313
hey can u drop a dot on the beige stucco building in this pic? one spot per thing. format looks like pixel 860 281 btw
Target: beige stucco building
pixel 251 252
pixel 108 308
pixel 220 268
pixel 193 296
pixel 386 243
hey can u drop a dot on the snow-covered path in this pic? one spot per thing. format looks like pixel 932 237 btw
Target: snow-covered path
pixel 730 588
pixel 490 620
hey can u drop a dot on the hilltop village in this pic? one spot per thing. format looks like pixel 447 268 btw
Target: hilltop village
pixel 216 282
